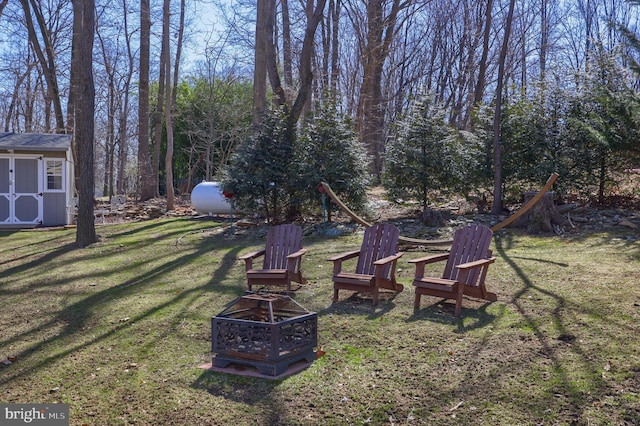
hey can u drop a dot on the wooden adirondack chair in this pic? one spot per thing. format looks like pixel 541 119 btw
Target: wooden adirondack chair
pixel 465 270
pixel 282 258
pixel 376 266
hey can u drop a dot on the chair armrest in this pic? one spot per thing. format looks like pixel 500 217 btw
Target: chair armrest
pixel 476 263
pixel 252 255
pixel 381 264
pixel 345 256
pixel 422 261
pixel 430 259
pixel 294 260
pixel 337 260
pixel 388 259
pixel 297 254
pixel 466 268
pixel 248 258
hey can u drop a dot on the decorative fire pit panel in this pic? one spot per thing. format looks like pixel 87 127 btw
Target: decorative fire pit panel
pixel 266 331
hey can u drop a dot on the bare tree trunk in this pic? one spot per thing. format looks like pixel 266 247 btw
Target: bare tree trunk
pixel 544 39
pixel 471 66
pixel 157 120
pixel 193 166
pixel 273 71
pixel 469 44
pixel 335 45
pixel 287 55
pixel 110 137
pixel 144 161
pixel 110 141
pixel 588 10
pixel 602 176
pixel 168 160
pixel 306 56
pixel 70 104
pixel 380 33
pixel 46 95
pixel 30 103
pixel 306 107
pixel 71 108
pixel 325 32
pixel 176 64
pixel 16 93
pixel 83 13
pixel 170 97
pixel 107 188
pixel 497 137
pixel 260 66
pixel 524 53
pixel 46 58
pixel 123 142
pixel 482 68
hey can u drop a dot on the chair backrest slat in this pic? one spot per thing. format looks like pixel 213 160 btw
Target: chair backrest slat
pixel 379 241
pixel 282 240
pixel 469 244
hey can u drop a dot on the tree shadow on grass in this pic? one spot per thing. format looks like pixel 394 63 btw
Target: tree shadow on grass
pixel 252 391
pixel 75 316
pixel 568 374
pixel 141 227
pixel 61 236
pixel 549 262
pixel 442 312
pixel 567 384
pixel 51 256
pixel 360 304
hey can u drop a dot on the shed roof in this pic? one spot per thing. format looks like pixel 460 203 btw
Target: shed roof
pixel 35 141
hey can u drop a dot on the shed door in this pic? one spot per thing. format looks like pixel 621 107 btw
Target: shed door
pixel 20 190
pixel 6 209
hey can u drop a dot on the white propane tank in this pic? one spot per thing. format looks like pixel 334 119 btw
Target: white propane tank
pixel 207 198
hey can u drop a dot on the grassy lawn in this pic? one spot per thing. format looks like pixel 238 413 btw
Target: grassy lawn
pixel 119 330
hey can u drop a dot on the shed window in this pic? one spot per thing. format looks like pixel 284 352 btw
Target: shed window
pixel 54 175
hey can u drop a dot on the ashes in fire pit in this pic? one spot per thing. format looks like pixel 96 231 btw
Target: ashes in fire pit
pixel 267 331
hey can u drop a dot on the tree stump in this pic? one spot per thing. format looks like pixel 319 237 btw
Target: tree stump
pixel 542 217
pixel 434 217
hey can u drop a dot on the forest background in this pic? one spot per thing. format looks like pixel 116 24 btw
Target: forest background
pixel 428 97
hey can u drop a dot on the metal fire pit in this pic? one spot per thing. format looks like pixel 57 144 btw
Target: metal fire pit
pixel 266 331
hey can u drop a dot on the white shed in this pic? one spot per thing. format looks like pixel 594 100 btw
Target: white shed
pixel 36 180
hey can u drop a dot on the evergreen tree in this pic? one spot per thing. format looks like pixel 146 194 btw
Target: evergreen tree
pixel 427 157
pixel 329 151
pixel 605 119
pixel 260 173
